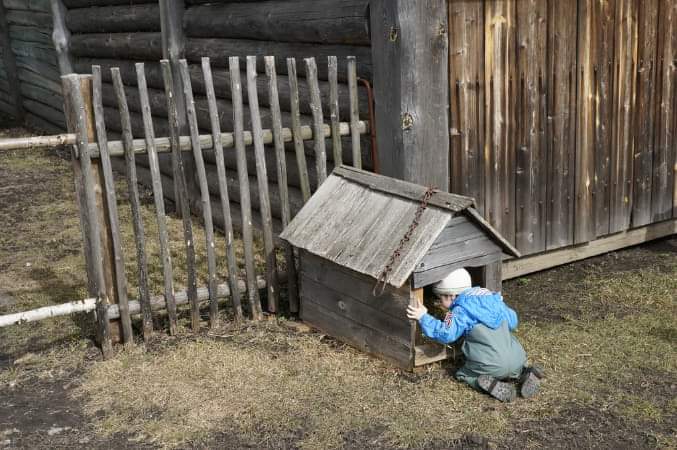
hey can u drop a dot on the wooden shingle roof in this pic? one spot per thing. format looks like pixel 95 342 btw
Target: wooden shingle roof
pixel 356 219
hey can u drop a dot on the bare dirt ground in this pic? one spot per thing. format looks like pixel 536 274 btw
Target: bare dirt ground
pixel 605 329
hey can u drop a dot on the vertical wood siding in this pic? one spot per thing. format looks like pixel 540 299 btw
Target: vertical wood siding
pixel 563 119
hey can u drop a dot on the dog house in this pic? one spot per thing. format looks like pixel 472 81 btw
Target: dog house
pixel 346 234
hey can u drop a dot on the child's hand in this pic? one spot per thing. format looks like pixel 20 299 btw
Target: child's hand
pixel 416 312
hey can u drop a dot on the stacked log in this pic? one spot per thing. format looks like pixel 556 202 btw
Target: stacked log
pixel 120 33
pixel 30 29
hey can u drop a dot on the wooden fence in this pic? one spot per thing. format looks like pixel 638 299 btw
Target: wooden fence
pixel 95 185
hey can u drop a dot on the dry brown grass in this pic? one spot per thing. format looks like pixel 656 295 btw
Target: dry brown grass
pixel 266 384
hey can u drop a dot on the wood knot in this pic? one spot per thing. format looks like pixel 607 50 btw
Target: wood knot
pixel 393 34
pixel 407 121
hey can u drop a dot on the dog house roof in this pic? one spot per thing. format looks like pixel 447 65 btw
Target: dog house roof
pixel 356 219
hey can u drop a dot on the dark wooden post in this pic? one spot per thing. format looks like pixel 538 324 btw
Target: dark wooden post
pixel 173 49
pixel 61 37
pixel 410 64
pixel 10 65
pixel 104 255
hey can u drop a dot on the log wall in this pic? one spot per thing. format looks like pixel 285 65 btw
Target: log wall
pixel 30 29
pixel 119 34
pixel 563 115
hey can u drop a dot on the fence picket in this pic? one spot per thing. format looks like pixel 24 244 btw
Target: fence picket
pixel 112 204
pixel 262 179
pixel 132 187
pixel 296 128
pixel 354 112
pixel 223 187
pixel 76 106
pixel 278 141
pixel 332 64
pixel 183 202
pixel 158 197
pixel 318 121
pixel 206 203
pixel 243 179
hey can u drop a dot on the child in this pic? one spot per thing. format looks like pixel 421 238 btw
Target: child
pixel 493 356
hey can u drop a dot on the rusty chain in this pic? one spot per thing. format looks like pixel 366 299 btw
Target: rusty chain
pixel 383 277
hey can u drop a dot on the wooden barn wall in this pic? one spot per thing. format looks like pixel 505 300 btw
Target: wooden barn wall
pixel 563 115
pixel 30 31
pixel 114 33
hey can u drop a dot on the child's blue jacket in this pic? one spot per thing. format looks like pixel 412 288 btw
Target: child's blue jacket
pixel 472 306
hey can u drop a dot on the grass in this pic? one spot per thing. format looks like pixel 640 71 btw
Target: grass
pixel 604 329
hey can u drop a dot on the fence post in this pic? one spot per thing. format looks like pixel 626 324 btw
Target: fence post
pixel 61 37
pixel 10 65
pixel 173 44
pixel 411 81
pixel 94 225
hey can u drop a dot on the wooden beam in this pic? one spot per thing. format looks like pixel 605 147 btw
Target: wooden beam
pixel 61 37
pixel 514 268
pixel 10 64
pixel 409 58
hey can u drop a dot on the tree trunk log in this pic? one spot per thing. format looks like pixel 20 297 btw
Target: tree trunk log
pixel 220 49
pixel 114 19
pixel 312 21
pixel 142 46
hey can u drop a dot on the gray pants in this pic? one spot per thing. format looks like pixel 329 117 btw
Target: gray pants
pixel 491 352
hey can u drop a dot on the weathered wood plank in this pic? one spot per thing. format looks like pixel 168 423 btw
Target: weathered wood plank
pixel 183 200
pixel 245 203
pixel 593 126
pixel 499 101
pixel 296 128
pixel 332 64
pixel 492 276
pixel 343 304
pixel 318 121
pixel 77 111
pixel 29 18
pixel 9 65
pixel 357 335
pixel 205 201
pixel 313 21
pixel 223 189
pixel 112 207
pixel 663 205
pixel 518 267
pixel 262 179
pixel 114 19
pixel 603 60
pixel 281 166
pixel 530 127
pixel 622 147
pixel 392 302
pixel 158 199
pixel 428 277
pixel 457 251
pixel 645 113
pixel 354 113
pixel 466 84
pixel 411 73
pixel 135 204
pixel 561 125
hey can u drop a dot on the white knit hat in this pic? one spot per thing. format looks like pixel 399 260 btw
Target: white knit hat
pixel 454 283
